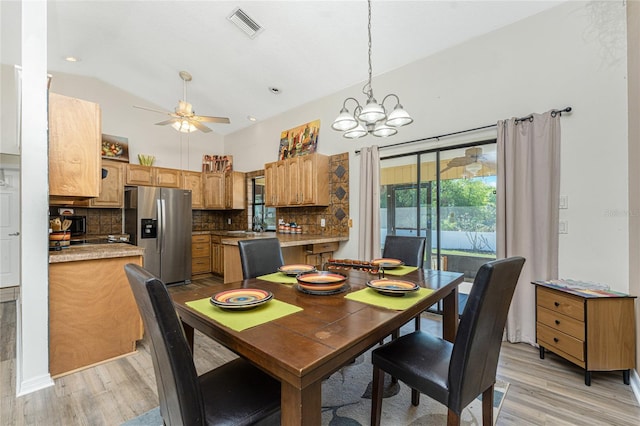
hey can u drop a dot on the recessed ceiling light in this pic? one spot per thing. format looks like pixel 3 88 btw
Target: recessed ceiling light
pixel 275 90
pixel 251 118
pixel 71 59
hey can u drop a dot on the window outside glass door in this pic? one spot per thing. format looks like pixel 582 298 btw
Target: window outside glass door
pixel 449 197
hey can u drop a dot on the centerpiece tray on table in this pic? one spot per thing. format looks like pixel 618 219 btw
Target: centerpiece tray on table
pixel 348 264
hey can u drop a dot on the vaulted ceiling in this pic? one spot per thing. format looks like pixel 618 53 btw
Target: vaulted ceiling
pixel 306 50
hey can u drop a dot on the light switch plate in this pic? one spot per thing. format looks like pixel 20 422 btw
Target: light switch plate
pixel 564 201
pixel 563 227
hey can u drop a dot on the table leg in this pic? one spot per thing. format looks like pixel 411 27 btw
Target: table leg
pixel 450 315
pixel 301 406
pixel 188 333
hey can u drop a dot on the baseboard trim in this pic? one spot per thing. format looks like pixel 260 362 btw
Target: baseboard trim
pixel 34 384
pixel 635 384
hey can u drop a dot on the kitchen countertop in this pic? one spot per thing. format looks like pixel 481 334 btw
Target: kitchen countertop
pixel 286 240
pixel 94 251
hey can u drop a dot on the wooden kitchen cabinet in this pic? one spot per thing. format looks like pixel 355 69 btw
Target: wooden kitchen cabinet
pixel 200 254
pixel 193 182
pixel 93 316
pixel 152 176
pixel 318 254
pixel 213 189
pixel 235 191
pixel 75 139
pixel 217 255
pixel 298 181
pixel 594 332
pixel 224 191
pixel 112 191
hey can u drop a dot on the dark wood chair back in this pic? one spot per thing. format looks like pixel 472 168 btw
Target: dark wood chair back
pixel 260 256
pixel 410 250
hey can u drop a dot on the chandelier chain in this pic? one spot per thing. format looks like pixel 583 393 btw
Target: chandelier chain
pixel 368 89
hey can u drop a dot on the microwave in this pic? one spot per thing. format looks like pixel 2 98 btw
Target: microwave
pixel 78 224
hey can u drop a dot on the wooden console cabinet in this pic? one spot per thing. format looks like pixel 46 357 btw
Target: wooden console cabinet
pixel 594 332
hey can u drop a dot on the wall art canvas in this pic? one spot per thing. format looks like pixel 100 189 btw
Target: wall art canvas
pixel 301 140
pixel 115 148
pixel 217 163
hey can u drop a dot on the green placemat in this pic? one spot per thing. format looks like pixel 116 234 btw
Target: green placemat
pixel 372 297
pixel 401 270
pixel 241 320
pixel 278 277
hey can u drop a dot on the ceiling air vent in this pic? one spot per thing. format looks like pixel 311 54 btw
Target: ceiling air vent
pixel 245 23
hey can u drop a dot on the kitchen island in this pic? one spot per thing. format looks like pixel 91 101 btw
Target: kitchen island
pixel 93 316
pixel 296 248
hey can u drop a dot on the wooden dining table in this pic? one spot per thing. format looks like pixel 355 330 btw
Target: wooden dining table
pixel 303 348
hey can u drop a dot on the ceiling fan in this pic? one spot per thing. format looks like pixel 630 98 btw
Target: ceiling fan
pixel 471 160
pixel 184 118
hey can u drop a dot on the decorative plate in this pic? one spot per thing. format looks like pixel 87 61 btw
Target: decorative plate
pixel 317 292
pixel 293 270
pixel 321 281
pixel 387 263
pixel 392 287
pixel 241 298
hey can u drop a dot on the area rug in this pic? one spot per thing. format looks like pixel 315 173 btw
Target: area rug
pixel 346 401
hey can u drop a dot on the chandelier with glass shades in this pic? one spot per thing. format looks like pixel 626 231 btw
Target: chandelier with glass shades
pixel 373 117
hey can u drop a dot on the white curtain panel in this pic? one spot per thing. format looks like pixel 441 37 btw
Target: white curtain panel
pixel 528 194
pixel 369 224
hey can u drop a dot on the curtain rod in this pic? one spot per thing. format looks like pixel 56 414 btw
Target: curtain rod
pixel 529 117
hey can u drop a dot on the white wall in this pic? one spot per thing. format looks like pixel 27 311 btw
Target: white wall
pixel 572 55
pixel 171 148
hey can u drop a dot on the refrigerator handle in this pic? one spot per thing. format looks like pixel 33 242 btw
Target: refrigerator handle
pixel 163 222
pixel 160 214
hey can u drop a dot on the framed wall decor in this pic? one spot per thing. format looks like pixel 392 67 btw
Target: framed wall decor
pixel 217 163
pixel 115 148
pixel 301 140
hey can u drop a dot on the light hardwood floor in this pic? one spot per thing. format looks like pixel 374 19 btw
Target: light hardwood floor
pixel 541 392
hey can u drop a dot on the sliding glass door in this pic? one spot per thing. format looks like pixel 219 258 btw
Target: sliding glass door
pixel 448 196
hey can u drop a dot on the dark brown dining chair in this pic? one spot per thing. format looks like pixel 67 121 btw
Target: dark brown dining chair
pixel 236 393
pixel 260 257
pixel 410 250
pixel 454 374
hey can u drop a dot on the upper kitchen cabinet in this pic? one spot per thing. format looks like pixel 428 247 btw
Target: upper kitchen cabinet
pixel 112 192
pixel 213 188
pixel 224 191
pixel 298 181
pixel 152 176
pixel 235 191
pixel 75 133
pixel 193 182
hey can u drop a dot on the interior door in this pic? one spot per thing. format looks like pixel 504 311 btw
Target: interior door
pixel 9 228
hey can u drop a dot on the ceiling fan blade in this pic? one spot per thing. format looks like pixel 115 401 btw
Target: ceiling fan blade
pixel 207 119
pixel 199 126
pixel 164 123
pixel 151 109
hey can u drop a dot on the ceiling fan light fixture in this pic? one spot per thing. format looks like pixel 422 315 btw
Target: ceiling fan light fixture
pixel 184 126
pixel 473 168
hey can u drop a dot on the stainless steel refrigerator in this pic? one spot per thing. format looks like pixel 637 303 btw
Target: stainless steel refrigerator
pixel 159 220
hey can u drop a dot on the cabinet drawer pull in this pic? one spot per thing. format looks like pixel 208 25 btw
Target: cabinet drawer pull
pixel 557 322
pixel 555 339
pixel 556 304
